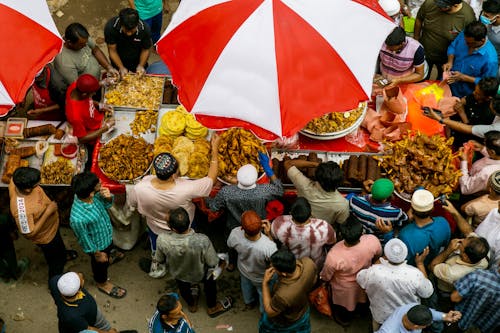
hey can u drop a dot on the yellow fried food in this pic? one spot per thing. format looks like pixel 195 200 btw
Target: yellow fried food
pixel 139 92
pixel 163 144
pixel 173 123
pixel 238 147
pixel 59 172
pixel 182 158
pixel 144 121
pixel 202 146
pixel 420 160
pixel 125 158
pixel 335 121
pixel 199 164
pixel 183 144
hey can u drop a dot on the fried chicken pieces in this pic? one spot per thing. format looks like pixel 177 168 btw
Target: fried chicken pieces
pixel 125 158
pixel 420 160
pixel 335 121
pixel 59 172
pixel 134 91
pixel 238 147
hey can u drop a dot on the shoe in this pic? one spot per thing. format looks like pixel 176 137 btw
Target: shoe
pixel 222 306
pixel 157 270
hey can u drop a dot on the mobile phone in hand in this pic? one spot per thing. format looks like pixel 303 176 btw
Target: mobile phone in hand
pixel 383 82
pixel 427 111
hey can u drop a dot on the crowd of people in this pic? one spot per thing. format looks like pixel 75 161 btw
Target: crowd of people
pixel 410 268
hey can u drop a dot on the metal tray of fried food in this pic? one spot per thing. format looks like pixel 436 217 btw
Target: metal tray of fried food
pixel 123 125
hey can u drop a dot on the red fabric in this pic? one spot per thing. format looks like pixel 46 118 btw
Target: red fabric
pixel 26 47
pixel 78 114
pixel 41 96
pixel 274 209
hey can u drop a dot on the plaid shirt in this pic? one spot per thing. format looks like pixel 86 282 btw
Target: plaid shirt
pixel 91 224
pixel 481 300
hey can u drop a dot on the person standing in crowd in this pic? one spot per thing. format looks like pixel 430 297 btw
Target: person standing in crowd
pixel 284 294
pixel 190 255
pixel 155 195
pixel 91 224
pixel 346 258
pixel 129 42
pixel 254 252
pixel 37 218
pixel 151 13
pixel 392 283
pixel 48 100
pixel 169 317
pixel 326 201
pixel 471 57
pixel 377 205
pixel 402 59
pixel 303 234
pixel 77 310
pixel 437 24
pixel 10 267
pixel 491 18
pixel 79 55
pixel 476 180
pixel 477 209
pixel 478 298
pixel 425 231
pixel 414 318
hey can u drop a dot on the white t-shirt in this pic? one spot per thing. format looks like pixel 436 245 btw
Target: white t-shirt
pixel 490 229
pixel 253 256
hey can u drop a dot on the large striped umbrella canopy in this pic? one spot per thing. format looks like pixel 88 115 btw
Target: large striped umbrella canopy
pixel 273 65
pixel 29 41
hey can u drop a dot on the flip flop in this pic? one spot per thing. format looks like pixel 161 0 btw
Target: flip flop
pixel 223 305
pixel 115 256
pixel 71 255
pixel 114 292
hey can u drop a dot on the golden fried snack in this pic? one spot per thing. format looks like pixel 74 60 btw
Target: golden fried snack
pixel 335 121
pixel 199 164
pixel 58 172
pixel 202 146
pixel 420 160
pixel 238 147
pixel 139 92
pixel 125 158
pixel 182 157
pixel 183 144
pixel 163 144
pixel 143 122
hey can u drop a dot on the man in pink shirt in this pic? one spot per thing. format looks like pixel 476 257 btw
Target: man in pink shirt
pixel 476 180
pixel 343 262
pixel 155 195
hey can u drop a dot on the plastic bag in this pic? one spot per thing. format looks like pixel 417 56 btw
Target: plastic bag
pixel 356 138
pixel 430 95
pixel 320 298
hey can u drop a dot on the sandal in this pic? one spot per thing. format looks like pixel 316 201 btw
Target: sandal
pixel 115 256
pixel 222 306
pixel 71 255
pixel 114 292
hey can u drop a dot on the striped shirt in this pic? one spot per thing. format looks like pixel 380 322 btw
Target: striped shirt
pixel 394 65
pixel 91 224
pixel 368 213
pixel 480 291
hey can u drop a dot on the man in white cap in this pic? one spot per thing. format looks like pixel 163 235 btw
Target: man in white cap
pixel 425 233
pixel 392 282
pixel 392 8
pixel 246 195
pixel 76 309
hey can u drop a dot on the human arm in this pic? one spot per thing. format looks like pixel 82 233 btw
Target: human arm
pixel 143 59
pixel 266 293
pixel 440 258
pixel 92 136
pixel 417 30
pixel 455 296
pixel 264 161
pixel 419 260
pixel 460 110
pixel 214 160
pixel 266 229
pixel 40 111
pixel 103 61
pixel 115 58
pixel 453 124
pixel 456 76
pixel 450 317
pixel 299 164
pixel 416 76
pixel 131 3
pixel 451 54
pixel 464 227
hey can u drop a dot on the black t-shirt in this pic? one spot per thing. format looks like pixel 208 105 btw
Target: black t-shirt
pixel 77 317
pixel 128 48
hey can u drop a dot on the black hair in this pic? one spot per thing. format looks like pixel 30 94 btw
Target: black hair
pixel 396 37
pixel 489 86
pixel 83 184
pixel 475 30
pixel 477 248
pixel 492 141
pixel 129 18
pixel 495 104
pixel 178 220
pixel 74 32
pixel 420 315
pixel 26 177
pixel 284 260
pixel 166 303
pixel 329 175
pixel 491 6
pixel 351 230
pixel 301 210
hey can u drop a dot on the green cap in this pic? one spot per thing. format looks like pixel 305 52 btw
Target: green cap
pixel 382 189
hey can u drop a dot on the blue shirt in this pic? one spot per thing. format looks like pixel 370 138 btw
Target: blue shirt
pixel 481 63
pixel 155 326
pixel 435 235
pixel 394 324
pixel 480 304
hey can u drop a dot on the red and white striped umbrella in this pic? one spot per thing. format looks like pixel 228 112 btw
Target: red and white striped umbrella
pixel 29 41
pixel 275 64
